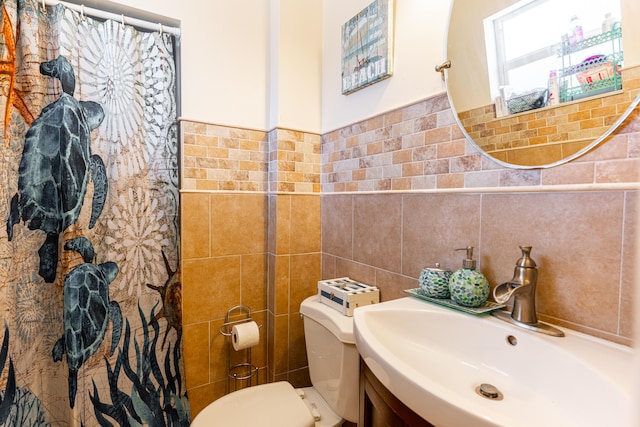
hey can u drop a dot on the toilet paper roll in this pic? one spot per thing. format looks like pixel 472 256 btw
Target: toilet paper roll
pixel 245 335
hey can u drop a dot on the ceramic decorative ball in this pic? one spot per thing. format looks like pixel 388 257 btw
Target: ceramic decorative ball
pixel 468 287
pixel 434 282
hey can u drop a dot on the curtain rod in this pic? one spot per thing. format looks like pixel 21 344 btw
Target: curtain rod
pixel 102 14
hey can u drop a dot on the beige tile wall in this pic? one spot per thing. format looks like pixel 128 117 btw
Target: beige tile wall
pixel 294 270
pixel 420 147
pixel 403 189
pixel 224 264
pixel 244 245
pixel 294 161
pixel 223 158
pixel 584 252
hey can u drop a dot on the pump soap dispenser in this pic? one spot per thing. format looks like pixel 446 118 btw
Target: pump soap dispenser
pixel 468 287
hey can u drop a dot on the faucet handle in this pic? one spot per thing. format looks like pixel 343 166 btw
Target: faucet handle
pixel 525 260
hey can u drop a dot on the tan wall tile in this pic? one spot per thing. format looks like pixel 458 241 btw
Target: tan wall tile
pixel 305 224
pixel 590 105
pixel 194 150
pixel 382 185
pixel 356 270
pixel 196 173
pixel 283 224
pixel 618 171
pixel 196 354
pixel 328 267
pixel 253 282
pixel 438 135
pixel 572 148
pixel 296 346
pixel 451 149
pixel 238 224
pixel 575 173
pixel 377 231
pixel 219 360
pixel 454 219
pixel 450 180
pixel 272 201
pixel 195 225
pixel 281 286
pixel 304 277
pixel 399 184
pixel 413 169
pixel 535 156
pixel 200 397
pixel 630 273
pixel 259 352
pixel 516 177
pixel 211 286
pixel 281 345
pixel 402 156
pixel 393 285
pixel 271 344
pixel 271 285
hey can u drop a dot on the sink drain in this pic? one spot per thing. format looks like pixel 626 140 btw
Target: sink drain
pixel 489 391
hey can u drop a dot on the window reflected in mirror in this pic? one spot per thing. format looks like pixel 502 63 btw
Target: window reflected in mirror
pixel 543 52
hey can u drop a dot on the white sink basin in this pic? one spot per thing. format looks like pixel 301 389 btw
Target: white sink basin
pixel 432 358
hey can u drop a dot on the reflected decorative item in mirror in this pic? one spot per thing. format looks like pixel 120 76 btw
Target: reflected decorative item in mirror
pixel 531 96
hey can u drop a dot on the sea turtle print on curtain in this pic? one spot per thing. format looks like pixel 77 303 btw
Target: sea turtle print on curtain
pixel 55 167
pixel 87 311
pixel 96 328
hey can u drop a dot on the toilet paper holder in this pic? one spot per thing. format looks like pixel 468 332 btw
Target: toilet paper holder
pixel 245 370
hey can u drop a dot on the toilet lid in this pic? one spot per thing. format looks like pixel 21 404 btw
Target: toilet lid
pixel 267 405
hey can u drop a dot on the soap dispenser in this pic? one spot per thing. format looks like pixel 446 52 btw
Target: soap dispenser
pixel 468 287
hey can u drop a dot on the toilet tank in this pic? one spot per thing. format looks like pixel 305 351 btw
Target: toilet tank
pixel 334 363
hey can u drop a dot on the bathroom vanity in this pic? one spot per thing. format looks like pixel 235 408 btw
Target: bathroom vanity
pixel 379 407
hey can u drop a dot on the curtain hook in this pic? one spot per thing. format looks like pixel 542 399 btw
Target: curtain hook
pixel 82 14
pixel 122 23
pixel 44 6
pixel 160 24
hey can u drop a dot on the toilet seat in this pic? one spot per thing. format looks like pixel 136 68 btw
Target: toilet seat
pixel 268 405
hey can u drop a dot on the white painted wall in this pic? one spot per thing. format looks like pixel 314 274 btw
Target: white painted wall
pixel 419 45
pixel 244 66
pixel 296 65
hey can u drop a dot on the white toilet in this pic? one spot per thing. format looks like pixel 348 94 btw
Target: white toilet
pixel 334 371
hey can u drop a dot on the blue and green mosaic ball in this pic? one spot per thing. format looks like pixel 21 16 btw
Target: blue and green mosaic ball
pixel 468 287
pixel 435 283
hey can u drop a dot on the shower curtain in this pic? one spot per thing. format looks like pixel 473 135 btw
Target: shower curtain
pixel 90 294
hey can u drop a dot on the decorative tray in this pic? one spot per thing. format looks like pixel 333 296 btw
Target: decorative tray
pixel 487 307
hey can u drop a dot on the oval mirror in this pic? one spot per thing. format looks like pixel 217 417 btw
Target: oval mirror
pixel 537 83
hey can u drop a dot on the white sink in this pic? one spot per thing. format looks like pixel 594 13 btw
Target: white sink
pixel 432 358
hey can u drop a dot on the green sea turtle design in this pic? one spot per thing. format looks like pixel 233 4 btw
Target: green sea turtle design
pixel 87 311
pixel 55 167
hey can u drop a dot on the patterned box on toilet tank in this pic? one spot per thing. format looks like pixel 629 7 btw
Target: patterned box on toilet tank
pixel 345 294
